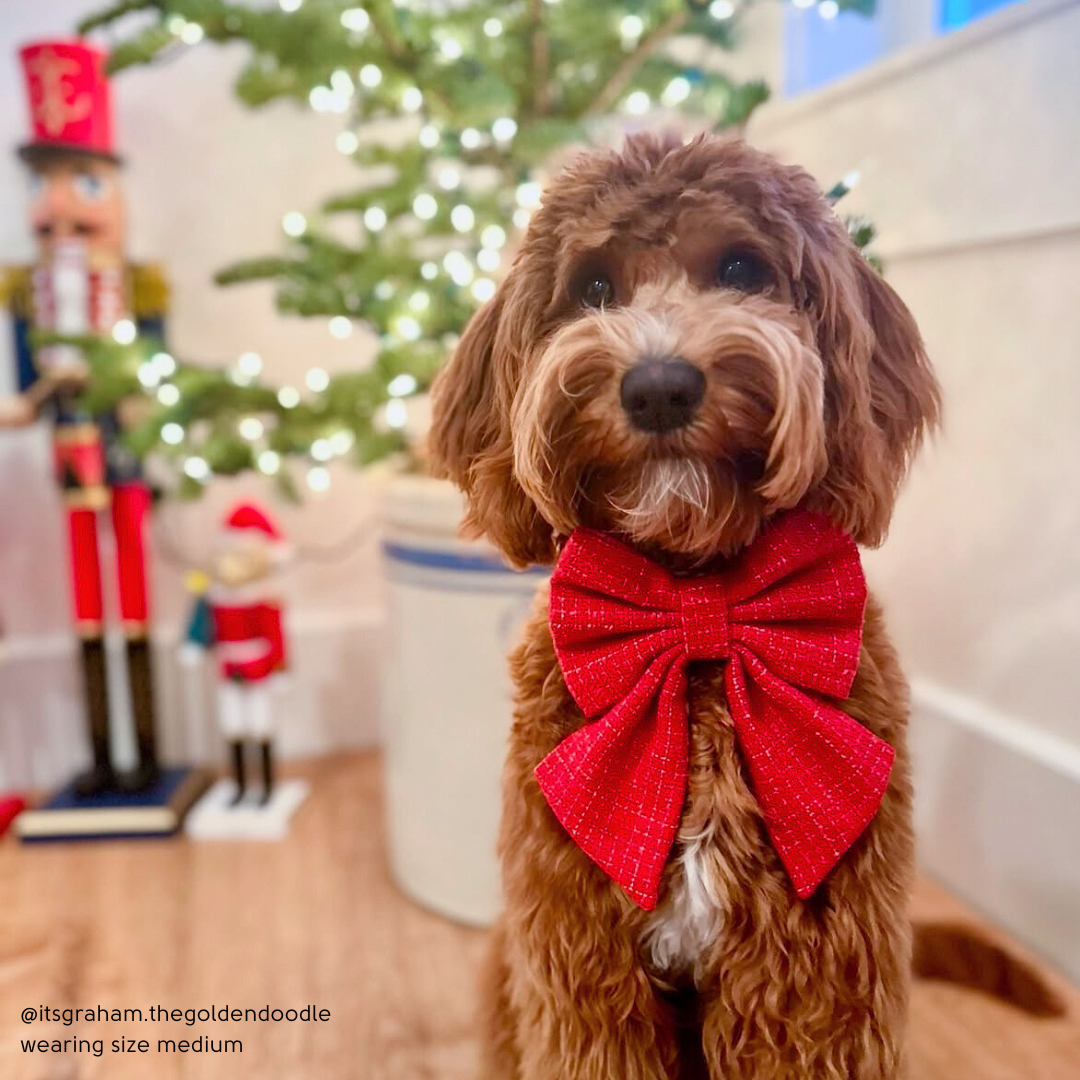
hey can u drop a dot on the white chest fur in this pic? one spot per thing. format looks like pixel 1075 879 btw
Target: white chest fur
pixel 679 935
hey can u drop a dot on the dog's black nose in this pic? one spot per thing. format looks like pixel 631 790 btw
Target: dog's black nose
pixel 659 396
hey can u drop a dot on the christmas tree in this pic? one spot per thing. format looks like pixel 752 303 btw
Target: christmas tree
pixel 487 91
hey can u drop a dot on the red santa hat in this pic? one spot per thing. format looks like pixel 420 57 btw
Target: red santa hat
pixel 249 520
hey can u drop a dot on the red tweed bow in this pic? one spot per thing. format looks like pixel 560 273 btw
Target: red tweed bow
pixel 787 616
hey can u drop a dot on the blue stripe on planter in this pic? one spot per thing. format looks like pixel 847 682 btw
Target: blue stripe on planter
pixel 445 560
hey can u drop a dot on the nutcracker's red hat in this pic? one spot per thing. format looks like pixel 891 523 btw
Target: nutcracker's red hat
pixel 70 101
pixel 249 518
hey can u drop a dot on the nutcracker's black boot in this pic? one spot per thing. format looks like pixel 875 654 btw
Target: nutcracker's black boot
pixel 101 777
pixel 141 681
pixel 267 771
pixel 238 771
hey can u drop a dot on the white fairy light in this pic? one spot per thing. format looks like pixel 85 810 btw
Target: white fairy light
pixel 269 461
pixel 288 397
pixel 347 142
pixel 504 129
pixel 521 218
pixel 197 469
pixel 408 328
pixel 471 139
pixel 289 6
pixel 168 395
pixel 402 385
pixel 721 10
pixel 420 301
pixel 176 24
pixel 397 413
pixel 164 364
pixel 483 289
pixel 412 98
pixel 462 217
pixel 317 380
pixel 429 136
pixel 375 218
pixel 638 103
pixel 250 364
pixel 631 28
pixel 425 206
pixel 342 441
pixel 355 19
pixel 528 195
pixel 192 34
pixel 250 428
pixel 370 75
pixel 676 92
pixel 172 434
pixel 384 290
pixel 124 332
pixel 294 223
pixel 322 450
pixel 449 178
pixel 148 375
pixel 340 327
pixel 828 9
pixel 322 98
pixel 493 236
pixel 318 479
pixel 429 271
pixel 341 83
pixel 493 27
pixel 488 260
pixel 451 48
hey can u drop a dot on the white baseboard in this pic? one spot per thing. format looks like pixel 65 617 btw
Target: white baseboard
pixel 997 813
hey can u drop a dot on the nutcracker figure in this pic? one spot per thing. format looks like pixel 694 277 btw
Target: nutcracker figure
pixel 81 285
pixel 240 619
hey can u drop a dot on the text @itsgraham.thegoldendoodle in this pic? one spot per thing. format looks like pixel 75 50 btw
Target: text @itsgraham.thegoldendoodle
pixel 184 1042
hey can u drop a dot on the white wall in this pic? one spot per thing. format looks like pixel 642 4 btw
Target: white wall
pixel 969 149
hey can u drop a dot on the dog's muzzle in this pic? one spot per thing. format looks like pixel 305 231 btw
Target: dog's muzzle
pixel 659 396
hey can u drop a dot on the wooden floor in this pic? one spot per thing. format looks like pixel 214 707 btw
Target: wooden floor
pixel 316 921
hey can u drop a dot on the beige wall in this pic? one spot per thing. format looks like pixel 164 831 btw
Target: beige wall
pixel 969 149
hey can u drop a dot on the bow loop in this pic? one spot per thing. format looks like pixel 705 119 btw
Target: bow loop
pixel 787 615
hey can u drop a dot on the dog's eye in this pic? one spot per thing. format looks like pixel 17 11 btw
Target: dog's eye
pixel 743 271
pixel 597 291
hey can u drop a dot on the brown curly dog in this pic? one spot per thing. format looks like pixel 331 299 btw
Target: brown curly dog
pixel 816 391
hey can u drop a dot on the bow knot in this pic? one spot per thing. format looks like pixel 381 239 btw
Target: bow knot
pixel 787 616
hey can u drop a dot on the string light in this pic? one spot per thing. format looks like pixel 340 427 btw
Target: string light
pixel 321 450
pixel 356 19
pixel 164 364
pixel 316 380
pixel 429 136
pixel 676 92
pixel 412 99
pixel 294 224
pixel 340 327
pixel 504 129
pixel 197 469
pixel 402 385
pixel 483 289
pixel 375 218
pixel 250 428
pixel 451 48
pixel 462 217
pixel 269 462
pixel 348 142
pixel 173 434
pixel 804 3
pixel 341 83
pixel 148 375
pixel 342 441
pixel 420 301
pixel 176 25
pixel 250 364
pixel 429 271
pixel 168 395
pixel 371 75
pixel 521 218
pixel 408 328
pixel 449 178
pixel 397 413
pixel 828 9
pixel 192 34
pixel 631 28
pixel 384 290
pixel 459 268
pixel 471 139
pixel 493 236
pixel 290 6
pixel 288 397
pixel 425 206
pixel 493 27
pixel 318 479
pixel 638 103
pixel 488 260
pixel 124 332
pixel 528 195
pixel 721 9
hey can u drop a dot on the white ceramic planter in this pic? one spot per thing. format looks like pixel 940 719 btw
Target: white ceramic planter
pixel 454 611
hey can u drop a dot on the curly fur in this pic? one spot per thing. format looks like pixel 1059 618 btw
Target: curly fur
pixel 818 391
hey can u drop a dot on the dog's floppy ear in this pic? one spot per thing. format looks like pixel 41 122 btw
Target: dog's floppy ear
pixel 881 394
pixel 471 442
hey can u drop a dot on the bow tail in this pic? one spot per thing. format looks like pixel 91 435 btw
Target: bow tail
pixel 818 774
pixel 617 784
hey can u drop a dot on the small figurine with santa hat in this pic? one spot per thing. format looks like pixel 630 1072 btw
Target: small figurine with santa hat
pixel 239 618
